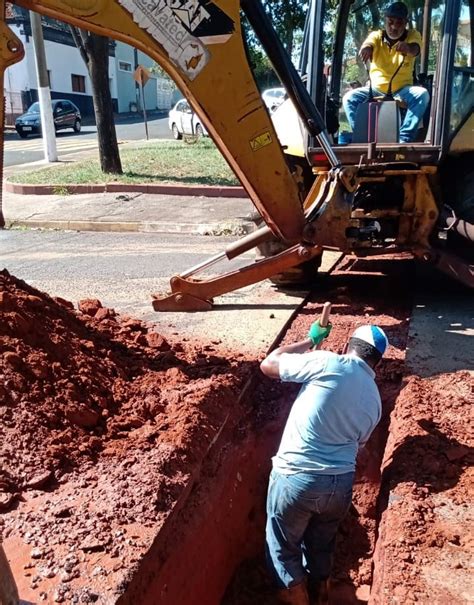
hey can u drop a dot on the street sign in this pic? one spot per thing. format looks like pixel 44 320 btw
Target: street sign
pixel 141 75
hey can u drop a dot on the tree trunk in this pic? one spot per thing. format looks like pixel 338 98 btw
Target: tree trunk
pixel 97 48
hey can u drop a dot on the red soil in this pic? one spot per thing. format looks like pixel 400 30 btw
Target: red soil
pixel 102 425
pixel 426 543
pixel 106 429
pixel 406 539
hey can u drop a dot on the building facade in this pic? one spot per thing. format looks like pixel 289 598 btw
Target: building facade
pixel 160 92
pixel 67 72
pixel 68 75
pixel 129 95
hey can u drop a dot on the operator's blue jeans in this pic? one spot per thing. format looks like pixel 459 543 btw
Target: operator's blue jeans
pixel 415 97
pixel 303 513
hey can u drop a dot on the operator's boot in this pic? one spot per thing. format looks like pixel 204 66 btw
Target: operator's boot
pixel 318 592
pixel 296 595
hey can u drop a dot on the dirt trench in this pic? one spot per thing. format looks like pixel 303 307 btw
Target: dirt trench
pixel 134 468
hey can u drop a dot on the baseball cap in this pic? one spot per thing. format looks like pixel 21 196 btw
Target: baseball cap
pixel 374 335
pixel 398 10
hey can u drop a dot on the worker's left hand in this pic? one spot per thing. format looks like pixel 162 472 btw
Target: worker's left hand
pixel 317 333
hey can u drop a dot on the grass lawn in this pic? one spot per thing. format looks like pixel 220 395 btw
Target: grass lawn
pixel 198 163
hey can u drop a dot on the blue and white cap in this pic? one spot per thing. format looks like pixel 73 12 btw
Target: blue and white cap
pixel 374 335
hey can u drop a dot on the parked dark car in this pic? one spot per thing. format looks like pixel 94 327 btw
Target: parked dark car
pixel 65 115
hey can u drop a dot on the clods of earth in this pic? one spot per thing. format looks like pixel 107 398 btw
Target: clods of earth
pixel 102 424
pixel 408 536
pixel 105 425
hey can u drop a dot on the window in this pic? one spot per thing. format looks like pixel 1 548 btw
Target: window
pixel 463 77
pixel 78 83
pixel 464 42
pixel 125 66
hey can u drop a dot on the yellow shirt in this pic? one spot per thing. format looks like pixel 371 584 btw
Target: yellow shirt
pixel 386 59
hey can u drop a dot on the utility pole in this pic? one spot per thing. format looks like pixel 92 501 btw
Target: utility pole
pixel 137 85
pixel 44 94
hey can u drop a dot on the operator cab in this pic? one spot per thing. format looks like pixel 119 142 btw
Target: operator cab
pixel 331 65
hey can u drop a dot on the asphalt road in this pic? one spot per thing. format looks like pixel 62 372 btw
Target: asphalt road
pixel 123 270
pixel 23 151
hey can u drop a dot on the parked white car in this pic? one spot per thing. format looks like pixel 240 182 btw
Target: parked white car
pixel 183 120
pixel 273 97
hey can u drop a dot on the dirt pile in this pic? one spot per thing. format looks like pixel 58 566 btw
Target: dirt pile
pixel 103 424
pixel 125 456
pixel 424 551
pixel 406 540
pixel 351 307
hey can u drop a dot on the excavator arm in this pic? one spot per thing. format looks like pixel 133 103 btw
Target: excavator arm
pixel 199 43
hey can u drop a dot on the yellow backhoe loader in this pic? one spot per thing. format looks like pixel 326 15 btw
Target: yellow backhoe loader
pixel 313 189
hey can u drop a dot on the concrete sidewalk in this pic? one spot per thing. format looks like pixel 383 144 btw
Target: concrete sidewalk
pixel 133 212
pixel 189 211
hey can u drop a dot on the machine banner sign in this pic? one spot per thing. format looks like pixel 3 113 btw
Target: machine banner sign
pixel 182 27
pixel 261 141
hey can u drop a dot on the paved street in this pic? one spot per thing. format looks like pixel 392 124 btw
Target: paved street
pixel 22 151
pixel 123 270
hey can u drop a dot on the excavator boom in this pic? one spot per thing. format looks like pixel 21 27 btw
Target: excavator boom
pixel 199 44
pixel 380 198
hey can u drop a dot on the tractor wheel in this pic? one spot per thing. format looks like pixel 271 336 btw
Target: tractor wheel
pixel 177 136
pixel 300 275
pixel 199 131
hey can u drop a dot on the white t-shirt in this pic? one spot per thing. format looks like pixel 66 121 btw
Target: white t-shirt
pixel 335 412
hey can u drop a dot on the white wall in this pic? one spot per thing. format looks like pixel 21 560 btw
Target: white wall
pixel 16 76
pixel 166 93
pixel 126 88
pixel 61 61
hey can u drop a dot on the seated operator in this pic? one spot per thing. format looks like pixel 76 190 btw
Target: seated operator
pixel 386 49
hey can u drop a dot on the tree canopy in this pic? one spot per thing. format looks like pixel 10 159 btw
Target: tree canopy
pixel 288 17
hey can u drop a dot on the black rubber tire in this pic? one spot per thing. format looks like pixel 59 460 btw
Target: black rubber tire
pixel 302 275
pixel 177 136
pixel 22 135
pixel 77 126
pixel 199 131
pixel 465 202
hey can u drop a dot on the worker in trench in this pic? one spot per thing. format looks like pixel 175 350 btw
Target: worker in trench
pixel 310 486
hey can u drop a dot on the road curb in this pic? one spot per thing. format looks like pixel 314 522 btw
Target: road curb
pixel 234 227
pixel 191 190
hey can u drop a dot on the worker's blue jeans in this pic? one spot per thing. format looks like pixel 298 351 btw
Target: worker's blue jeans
pixel 303 513
pixel 416 99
